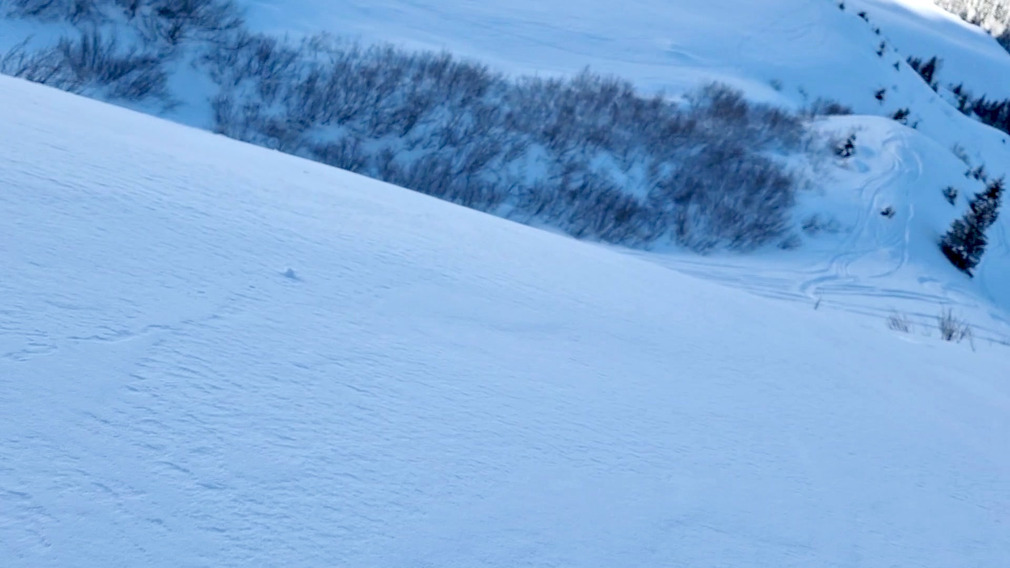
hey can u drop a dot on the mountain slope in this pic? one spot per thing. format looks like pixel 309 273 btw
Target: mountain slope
pixel 789 53
pixel 218 355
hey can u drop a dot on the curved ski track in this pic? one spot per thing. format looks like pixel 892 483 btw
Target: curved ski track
pixel 865 264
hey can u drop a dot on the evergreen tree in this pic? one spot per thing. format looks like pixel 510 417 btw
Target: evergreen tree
pixel 927 70
pixel 965 242
pixel 985 206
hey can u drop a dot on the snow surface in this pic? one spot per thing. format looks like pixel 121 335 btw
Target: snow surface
pixel 673 46
pixel 789 52
pixel 212 354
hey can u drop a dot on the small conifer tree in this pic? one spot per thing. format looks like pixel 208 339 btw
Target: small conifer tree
pixel 965 241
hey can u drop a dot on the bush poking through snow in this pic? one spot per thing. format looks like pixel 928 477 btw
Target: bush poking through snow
pixel 961 154
pixel 161 23
pixel 96 62
pixel 73 11
pixel 950 194
pixel 92 63
pixel 899 322
pixel 846 148
pixel 926 69
pixel 588 154
pixel 826 107
pixel 952 328
pixel 816 224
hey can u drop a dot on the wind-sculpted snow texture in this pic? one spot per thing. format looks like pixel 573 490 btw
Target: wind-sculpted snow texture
pixel 212 354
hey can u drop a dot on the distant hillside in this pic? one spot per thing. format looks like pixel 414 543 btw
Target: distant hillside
pixel 992 15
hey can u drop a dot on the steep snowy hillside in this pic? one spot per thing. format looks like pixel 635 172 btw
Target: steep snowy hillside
pixel 919 28
pixel 809 47
pixel 212 354
pixel 789 53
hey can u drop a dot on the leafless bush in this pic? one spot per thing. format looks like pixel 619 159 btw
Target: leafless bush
pixel 91 63
pixel 587 154
pixel 826 107
pixel 161 24
pixel 952 328
pixel 44 66
pixel 170 22
pixel 816 224
pixel 899 322
pixel 73 11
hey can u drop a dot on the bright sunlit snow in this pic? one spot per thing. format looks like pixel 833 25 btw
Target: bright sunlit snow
pixel 790 53
pixel 217 355
pixel 213 354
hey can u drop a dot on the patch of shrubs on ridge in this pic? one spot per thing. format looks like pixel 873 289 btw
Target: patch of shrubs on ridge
pixel 587 154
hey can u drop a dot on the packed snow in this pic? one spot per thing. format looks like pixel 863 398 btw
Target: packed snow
pixel 218 355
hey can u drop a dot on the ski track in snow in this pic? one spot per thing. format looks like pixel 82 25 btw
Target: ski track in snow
pixel 870 273
pixel 793 43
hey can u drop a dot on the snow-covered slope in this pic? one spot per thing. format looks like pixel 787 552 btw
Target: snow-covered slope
pixel 212 354
pixel 807 45
pixel 790 53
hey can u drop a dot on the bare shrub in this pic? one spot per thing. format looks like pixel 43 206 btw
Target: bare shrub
pixel 127 73
pixel 826 107
pixel 899 322
pixel 170 22
pixel 44 66
pixel 587 154
pixel 952 328
pixel 161 24
pixel 817 224
pixel 92 63
pixel 73 11
pixel 950 194
pixel 844 148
